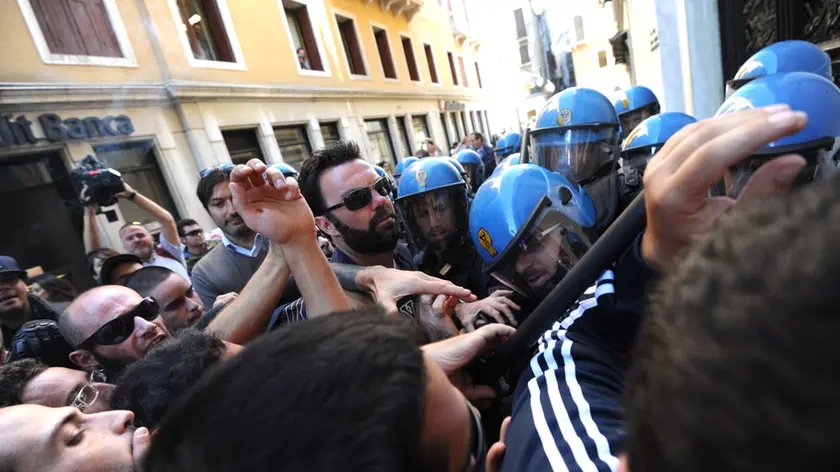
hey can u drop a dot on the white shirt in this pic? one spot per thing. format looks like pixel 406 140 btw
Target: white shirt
pixel 174 265
pixel 255 248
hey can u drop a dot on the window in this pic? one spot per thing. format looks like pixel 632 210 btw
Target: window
pixel 579 28
pixel 478 75
pixel 524 55
pixel 139 168
pixel 421 125
pixel 408 49
pixel 307 53
pixel 379 140
pixel 294 144
pixel 202 22
pixel 463 71
pixel 452 68
pixel 329 131
pixel 352 48
pixel 430 60
pixel 385 57
pixel 519 18
pixel 85 32
pixel 242 145
pixel 404 137
pixel 602 59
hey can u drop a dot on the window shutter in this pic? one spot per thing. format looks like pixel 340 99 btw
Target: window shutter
pixel 217 29
pixel 57 26
pixel 94 27
pixel 309 39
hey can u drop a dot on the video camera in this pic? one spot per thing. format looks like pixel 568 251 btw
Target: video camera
pixel 95 183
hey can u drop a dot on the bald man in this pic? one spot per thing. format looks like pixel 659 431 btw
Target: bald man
pixel 111 327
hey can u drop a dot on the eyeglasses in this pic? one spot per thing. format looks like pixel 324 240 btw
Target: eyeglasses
pixel 361 197
pixel 88 394
pixel 120 328
pixel 220 168
pixel 194 232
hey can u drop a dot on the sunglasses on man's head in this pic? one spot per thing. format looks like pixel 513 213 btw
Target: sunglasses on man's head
pixel 361 197
pixel 120 328
pixel 220 168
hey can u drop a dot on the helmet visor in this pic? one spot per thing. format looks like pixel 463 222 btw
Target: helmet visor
pixel 578 154
pixel 820 157
pixel 632 119
pixel 433 217
pixel 542 255
pixel 638 159
pixel 474 174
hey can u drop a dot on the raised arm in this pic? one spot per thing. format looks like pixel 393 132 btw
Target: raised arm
pixel 91 231
pixel 164 218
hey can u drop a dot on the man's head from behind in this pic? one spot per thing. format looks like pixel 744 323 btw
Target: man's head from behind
pixel 110 327
pixel 214 193
pixel 347 391
pixel 151 385
pixel 179 304
pixel 137 240
pixel 364 219
pixel 116 269
pixel 29 381
pixel 736 366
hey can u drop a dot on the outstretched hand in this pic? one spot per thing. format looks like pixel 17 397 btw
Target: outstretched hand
pixel 678 178
pixel 389 285
pixel 271 204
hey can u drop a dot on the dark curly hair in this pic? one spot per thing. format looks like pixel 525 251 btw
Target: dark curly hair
pixel 13 379
pixel 331 156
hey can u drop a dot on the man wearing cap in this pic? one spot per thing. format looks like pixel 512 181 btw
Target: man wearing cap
pixel 137 240
pixel 17 306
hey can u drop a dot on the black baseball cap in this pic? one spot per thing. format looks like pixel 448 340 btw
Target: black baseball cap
pixel 111 263
pixel 8 265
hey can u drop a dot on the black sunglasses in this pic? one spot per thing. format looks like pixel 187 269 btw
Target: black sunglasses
pixel 194 232
pixel 360 197
pixel 120 328
pixel 221 168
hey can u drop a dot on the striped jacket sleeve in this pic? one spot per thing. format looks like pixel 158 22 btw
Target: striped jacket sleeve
pixel 567 410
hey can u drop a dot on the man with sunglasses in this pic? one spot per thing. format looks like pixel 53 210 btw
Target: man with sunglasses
pixel 17 305
pixel 137 240
pixel 195 245
pixel 110 327
pixel 29 381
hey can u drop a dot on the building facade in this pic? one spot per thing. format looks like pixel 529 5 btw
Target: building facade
pixel 161 89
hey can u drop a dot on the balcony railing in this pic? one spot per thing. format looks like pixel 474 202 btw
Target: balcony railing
pixel 398 7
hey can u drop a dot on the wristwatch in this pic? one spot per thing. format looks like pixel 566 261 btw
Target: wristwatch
pixel 132 195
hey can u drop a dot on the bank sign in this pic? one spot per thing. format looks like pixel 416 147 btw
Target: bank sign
pixel 18 131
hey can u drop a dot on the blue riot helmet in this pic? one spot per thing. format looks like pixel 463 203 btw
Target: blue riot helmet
pixel 511 160
pixel 646 140
pixel 286 169
pixel 513 144
pixel 633 106
pixel 434 204
pixel 501 146
pixel 784 56
pixel 461 171
pixel 401 166
pixel 577 135
pixel 817 143
pixel 531 226
pixel 391 183
pixel 473 166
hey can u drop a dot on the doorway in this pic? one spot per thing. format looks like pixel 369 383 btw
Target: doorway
pixel 42 220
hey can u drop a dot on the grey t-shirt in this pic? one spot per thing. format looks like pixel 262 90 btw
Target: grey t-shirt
pixel 224 270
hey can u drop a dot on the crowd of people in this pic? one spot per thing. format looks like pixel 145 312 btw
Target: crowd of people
pixel 338 322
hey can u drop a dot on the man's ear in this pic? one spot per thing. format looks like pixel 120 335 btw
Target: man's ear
pixel 84 359
pixel 324 224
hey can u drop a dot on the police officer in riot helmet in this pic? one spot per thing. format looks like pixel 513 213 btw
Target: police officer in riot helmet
pixel 577 136
pixel 531 226
pixel 640 147
pixel 784 56
pixel 434 204
pixel 633 106
pixel 473 166
pixel 818 143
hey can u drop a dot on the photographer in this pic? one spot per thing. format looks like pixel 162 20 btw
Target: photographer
pixel 136 239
